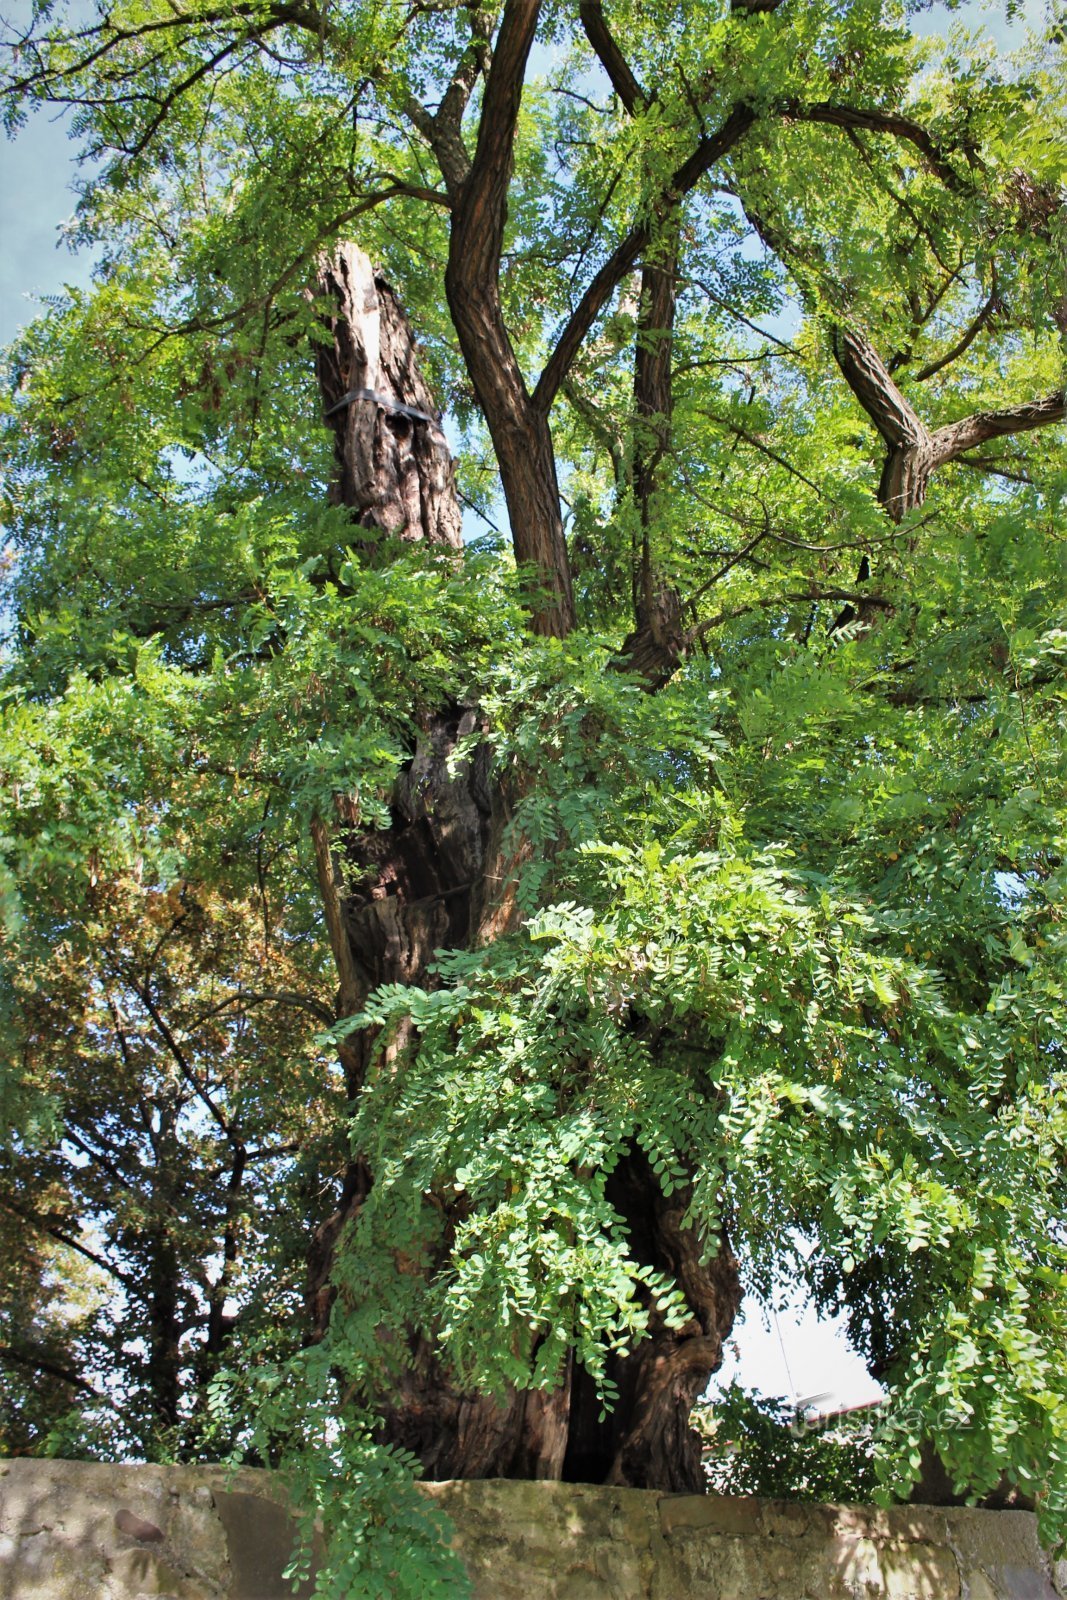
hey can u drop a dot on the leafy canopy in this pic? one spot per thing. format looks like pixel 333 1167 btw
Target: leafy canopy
pixel 794 923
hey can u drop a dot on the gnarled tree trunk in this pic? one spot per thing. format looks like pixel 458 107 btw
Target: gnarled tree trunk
pixel 392 898
pixel 394 468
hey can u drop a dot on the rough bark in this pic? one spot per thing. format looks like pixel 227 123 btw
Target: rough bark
pixel 394 467
pixel 653 387
pixel 518 420
pixel 647 1442
pixel 392 898
pixel 522 440
pixel 443 876
pixel 913 452
pixel 655 647
pixel 611 58
pixel 389 898
pixel 519 428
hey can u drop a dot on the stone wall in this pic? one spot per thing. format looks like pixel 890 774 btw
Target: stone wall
pixel 79 1531
pixel 75 1530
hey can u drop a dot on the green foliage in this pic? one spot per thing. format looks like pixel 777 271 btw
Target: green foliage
pixel 155 1220
pixel 755 1445
pixel 792 926
pixel 379 1537
pixel 774 1048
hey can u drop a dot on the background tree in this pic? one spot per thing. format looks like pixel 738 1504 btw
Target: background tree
pixel 638 992
pixel 762 1447
pixel 171 1173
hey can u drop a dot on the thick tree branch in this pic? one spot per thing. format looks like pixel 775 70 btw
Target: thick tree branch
pixel 443 129
pixel 654 647
pixel 519 429
pixel 219 1325
pixel 913 452
pixel 610 56
pixel 626 254
pixel 351 991
pixel 653 407
pixel 419 117
pixel 976 429
pixel 447 130
pixel 868 377
pixel 483 207
pixel 887 122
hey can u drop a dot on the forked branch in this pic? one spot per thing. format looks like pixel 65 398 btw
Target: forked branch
pixel 913 452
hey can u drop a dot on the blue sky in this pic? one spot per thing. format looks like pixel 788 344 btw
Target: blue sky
pixel 791 1352
pixel 36 170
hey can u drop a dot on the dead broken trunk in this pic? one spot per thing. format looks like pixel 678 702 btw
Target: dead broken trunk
pixel 393 897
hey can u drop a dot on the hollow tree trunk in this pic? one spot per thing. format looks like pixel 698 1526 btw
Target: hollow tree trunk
pixel 394 468
pixel 392 898
pixel 647 1442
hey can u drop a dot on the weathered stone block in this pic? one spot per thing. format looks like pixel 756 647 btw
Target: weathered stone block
pixel 713 1513
pixel 842 1567
pixel 1001 1548
pixel 582 1585
pixel 701 1564
pixel 916 1571
pixel 924 1524
pixel 842 1522
pixel 260 1542
pixel 786 1519
pixel 142 1573
pixel 980 1588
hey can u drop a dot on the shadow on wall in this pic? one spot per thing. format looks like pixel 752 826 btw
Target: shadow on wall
pixel 791 1551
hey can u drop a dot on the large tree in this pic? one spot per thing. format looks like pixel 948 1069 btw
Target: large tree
pixel 689 853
